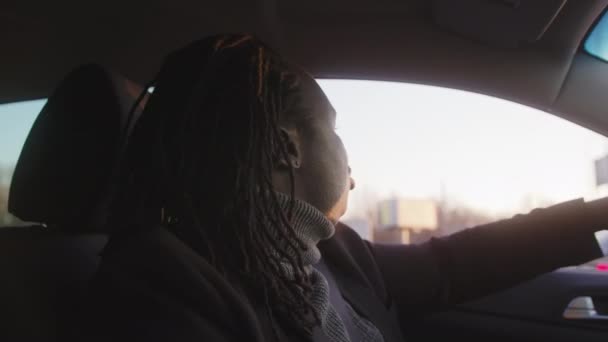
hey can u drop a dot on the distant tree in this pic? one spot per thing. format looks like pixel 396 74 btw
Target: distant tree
pixel 6 219
pixel 4 215
pixel 454 219
pixel 6 173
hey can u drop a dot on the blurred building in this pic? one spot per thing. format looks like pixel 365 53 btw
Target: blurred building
pixel 406 221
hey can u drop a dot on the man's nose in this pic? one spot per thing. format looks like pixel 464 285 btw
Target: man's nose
pixel 351 179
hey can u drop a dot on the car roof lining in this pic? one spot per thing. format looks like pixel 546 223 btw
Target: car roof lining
pixel 387 40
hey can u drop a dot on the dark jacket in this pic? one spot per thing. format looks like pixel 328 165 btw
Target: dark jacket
pixel 152 287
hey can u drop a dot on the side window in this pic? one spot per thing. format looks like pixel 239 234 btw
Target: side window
pixel 597 41
pixel 431 161
pixel 16 119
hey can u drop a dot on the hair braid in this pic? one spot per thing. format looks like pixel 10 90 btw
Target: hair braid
pixel 204 154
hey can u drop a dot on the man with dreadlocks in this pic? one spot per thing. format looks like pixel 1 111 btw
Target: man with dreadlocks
pixel 226 222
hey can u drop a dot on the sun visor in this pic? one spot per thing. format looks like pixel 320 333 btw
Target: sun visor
pixel 507 23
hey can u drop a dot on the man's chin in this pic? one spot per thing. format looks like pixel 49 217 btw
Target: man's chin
pixel 335 216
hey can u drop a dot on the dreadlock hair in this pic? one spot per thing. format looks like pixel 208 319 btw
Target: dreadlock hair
pixel 200 161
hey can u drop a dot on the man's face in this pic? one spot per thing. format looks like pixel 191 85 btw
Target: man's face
pixel 323 176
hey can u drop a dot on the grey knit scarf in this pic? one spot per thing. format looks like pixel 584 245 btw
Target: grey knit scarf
pixel 311 226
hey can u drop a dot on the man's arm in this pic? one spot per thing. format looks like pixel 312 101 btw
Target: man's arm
pixel 478 261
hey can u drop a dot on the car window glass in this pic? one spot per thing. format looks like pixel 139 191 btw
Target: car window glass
pixel 597 41
pixel 431 161
pixel 16 119
pixel 428 161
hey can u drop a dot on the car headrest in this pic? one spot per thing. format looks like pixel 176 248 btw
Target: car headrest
pixel 73 149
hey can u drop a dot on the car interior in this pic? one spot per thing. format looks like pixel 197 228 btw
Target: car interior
pixel 63 182
pixel 91 61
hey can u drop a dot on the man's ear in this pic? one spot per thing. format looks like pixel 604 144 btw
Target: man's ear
pixel 291 139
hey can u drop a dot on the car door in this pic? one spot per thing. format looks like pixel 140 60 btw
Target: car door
pixel 567 305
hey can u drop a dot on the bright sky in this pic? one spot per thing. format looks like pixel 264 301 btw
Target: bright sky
pixel 490 154
pixel 597 43
pixel 15 122
pixel 407 140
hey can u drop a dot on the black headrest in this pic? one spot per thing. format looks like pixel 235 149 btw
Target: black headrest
pixel 71 153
